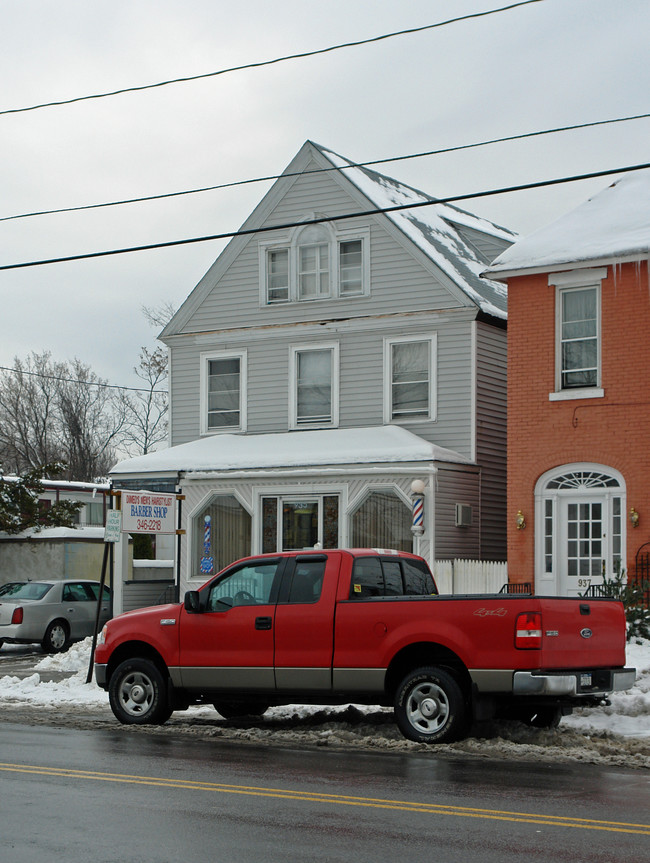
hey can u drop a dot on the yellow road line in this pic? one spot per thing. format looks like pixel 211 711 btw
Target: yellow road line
pixel 340 799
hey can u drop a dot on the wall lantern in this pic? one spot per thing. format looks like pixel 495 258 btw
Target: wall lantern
pixel 520 520
pixel 634 517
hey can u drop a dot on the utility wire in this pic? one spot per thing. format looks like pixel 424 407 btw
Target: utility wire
pixel 385 161
pixel 338 218
pixel 276 60
pixel 100 384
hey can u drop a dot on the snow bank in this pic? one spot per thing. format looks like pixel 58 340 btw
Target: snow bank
pixel 618 734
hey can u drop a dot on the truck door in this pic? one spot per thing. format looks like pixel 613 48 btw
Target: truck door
pixel 229 644
pixel 304 623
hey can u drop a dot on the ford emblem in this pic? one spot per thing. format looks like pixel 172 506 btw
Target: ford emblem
pixel 586 633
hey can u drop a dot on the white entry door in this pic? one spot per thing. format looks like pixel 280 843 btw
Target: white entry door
pixel 583 540
pixel 580 529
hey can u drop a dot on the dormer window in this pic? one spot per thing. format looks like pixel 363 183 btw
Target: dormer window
pixel 317 262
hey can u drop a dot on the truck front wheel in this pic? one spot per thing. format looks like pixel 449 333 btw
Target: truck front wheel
pixel 430 707
pixel 138 693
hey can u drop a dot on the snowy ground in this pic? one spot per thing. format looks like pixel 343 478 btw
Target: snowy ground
pixel 619 734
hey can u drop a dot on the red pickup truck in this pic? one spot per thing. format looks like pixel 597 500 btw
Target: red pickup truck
pixel 365 626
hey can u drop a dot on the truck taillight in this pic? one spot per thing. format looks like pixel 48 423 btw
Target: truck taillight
pixel 528 630
pixel 17 616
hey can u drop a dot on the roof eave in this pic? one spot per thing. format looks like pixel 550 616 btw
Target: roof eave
pixel 560 266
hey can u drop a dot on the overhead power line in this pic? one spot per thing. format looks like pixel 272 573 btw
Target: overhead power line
pixel 272 62
pixel 333 218
pixel 389 159
pixel 100 384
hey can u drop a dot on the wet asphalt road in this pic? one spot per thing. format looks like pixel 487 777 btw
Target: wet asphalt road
pixel 107 795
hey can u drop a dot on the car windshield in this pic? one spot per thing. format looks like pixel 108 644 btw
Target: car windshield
pixel 30 590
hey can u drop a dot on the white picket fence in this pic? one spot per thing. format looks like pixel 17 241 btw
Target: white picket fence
pixel 470 576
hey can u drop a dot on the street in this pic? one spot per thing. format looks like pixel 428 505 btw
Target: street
pixel 108 795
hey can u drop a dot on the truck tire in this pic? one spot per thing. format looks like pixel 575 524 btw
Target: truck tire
pixel 138 693
pixel 57 637
pixel 234 709
pixel 430 707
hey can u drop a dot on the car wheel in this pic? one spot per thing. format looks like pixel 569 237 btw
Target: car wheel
pixel 138 693
pixel 430 707
pixel 56 638
pixel 233 709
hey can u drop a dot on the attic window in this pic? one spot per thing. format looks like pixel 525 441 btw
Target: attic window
pixel 317 263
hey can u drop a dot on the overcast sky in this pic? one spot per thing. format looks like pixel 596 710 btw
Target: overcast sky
pixel 548 64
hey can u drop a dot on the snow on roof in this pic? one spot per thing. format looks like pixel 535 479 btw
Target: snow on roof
pixel 383 444
pixel 613 226
pixel 432 229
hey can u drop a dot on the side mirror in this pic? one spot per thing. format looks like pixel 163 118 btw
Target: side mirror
pixel 192 602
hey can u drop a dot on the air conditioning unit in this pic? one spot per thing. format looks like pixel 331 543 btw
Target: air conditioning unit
pixel 463 515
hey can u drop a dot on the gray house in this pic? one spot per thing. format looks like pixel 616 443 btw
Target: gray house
pixel 340 363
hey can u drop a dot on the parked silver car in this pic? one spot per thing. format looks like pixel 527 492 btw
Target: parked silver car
pixel 52 612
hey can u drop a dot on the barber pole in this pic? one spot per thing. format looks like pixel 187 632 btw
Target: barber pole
pixel 418 514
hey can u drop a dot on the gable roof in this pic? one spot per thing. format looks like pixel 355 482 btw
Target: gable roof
pixel 437 230
pixel 444 234
pixel 612 226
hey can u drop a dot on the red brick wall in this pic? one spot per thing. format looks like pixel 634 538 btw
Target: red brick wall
pixel 612 431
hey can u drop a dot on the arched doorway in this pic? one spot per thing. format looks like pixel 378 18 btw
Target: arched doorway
pixel 580 529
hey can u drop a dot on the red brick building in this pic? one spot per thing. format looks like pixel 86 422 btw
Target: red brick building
pixel 579 392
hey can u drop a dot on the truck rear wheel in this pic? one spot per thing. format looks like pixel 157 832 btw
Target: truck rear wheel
pixel 430 707
pixel 138 694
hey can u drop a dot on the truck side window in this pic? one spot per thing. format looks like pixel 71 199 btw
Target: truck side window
pixel 307 581
pixel 249 585
pixel 418 581
pixel 367 578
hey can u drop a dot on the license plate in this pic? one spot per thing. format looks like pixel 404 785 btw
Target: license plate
pixel 585 680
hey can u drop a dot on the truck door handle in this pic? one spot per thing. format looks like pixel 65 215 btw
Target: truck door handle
pixel 263 622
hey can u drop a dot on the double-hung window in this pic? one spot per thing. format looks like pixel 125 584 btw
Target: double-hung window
pixel 223 392
pixel 314 386
pixel 577 352
pixel 409 373
pixel 315 263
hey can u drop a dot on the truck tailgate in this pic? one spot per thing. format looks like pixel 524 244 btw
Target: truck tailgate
pixel 586 634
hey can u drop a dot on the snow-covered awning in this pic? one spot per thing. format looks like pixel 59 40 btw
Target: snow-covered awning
pixel 229 452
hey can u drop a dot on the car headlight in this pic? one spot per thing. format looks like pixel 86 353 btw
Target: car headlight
pixel 101 638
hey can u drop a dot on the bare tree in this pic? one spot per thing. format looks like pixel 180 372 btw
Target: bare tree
pixel 58 412
pixel 146 411
pixel 93 420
